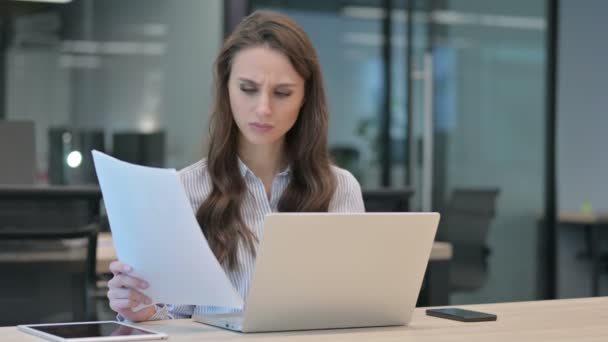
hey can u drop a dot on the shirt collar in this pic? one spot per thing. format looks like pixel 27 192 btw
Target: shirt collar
pixel 244 169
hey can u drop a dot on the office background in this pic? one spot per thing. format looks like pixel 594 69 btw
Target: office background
pixel 142 68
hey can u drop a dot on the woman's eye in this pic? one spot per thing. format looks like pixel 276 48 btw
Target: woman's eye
pixel 282 94
pixel 248 90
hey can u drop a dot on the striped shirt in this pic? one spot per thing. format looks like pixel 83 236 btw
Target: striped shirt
pixel 197 183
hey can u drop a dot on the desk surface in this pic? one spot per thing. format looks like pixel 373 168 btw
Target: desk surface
pixel 50 191
pixel 573 217
pixel 106 253
pixel 559 320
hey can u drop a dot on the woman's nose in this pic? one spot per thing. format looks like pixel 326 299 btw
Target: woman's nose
pixel 263 107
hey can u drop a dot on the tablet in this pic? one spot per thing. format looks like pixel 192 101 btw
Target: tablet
pixel 91 332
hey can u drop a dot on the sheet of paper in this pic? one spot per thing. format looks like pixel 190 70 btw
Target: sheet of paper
pixel 155 230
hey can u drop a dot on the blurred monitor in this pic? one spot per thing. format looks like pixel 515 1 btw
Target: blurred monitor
pixel 140 148
pixel 17 152
pixel 387 199
pixel 63 168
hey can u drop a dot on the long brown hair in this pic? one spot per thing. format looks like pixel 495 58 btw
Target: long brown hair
pixel 312 182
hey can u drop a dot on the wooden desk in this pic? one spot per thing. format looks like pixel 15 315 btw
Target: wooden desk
pixel 106 253
pixel 559 320
pixel 573 217
pixel 592 223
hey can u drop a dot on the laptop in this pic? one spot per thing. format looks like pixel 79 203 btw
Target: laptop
pixel 335 270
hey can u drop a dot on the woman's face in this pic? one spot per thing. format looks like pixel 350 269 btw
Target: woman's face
pixel 266 94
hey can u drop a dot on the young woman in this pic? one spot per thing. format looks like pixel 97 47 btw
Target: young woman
pixel 267 153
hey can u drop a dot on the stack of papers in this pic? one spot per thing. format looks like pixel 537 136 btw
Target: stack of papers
pixel 155 231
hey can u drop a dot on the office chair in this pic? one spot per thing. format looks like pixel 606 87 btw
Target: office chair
pixel 465 224
pixel 387 199
pixel 48 275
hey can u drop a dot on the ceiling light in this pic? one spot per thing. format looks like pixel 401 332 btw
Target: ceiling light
pixel 49 1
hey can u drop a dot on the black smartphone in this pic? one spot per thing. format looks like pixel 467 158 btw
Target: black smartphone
pixel 461 315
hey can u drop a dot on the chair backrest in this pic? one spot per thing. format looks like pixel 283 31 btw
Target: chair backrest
pixel 387 199
pixel 467 218
pixel 465 223
pixel 17 152
pixel 47 274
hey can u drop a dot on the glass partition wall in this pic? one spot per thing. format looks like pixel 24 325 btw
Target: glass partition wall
pixel 448 98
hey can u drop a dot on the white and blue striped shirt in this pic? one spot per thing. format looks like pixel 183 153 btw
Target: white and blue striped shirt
pixel 197 183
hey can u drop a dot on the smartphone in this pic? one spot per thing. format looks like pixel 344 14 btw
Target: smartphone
pixel 461 315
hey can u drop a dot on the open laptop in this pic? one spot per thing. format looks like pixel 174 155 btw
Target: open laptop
pixel 335 270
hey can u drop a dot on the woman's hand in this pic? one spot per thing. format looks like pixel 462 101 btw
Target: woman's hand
pixel 124 295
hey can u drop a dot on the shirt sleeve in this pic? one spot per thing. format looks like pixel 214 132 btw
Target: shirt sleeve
pixel 348 197
pixel 167 311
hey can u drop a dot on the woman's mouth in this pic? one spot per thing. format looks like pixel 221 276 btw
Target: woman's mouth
pixel 260 128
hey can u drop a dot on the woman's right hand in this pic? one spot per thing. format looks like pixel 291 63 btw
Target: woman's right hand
pixel 124 295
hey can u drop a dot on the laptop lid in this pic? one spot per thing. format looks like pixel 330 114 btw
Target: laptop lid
pixel 338 270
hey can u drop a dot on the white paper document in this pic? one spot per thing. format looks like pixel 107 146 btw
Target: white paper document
pixel 155 231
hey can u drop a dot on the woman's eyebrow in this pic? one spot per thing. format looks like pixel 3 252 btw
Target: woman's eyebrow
pixel 285 84
pixel 246 80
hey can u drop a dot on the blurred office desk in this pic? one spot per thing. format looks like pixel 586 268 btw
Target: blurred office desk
pixel 36 206
pixel 47 268
pixel 50 191
pixel 592 223
pixel 105 252
pixel 442 251
pixel 564 320
pixel 435 289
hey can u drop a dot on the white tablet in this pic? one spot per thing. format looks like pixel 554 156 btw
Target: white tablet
pixel 91 332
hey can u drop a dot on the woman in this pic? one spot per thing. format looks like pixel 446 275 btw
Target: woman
pixel 267 153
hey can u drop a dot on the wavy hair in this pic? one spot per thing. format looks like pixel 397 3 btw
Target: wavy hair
pixel 312 182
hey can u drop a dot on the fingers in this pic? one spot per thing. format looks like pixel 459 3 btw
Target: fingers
pixel 125 281
pixel 118 267
pixel 123 293
pixel 138 316
pixel 119 305
pixel 127 298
